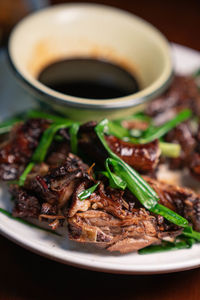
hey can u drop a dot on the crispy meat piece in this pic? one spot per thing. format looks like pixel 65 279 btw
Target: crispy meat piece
pixel 48 209
pixel 142 157
pixel 90 144
pixel 77 204
pixel 26 205
pixel 58 185
pixel 46 195
pixel 57 154
pixel 110 201
pixel 183 93
pixel 182 200
pixel 16 152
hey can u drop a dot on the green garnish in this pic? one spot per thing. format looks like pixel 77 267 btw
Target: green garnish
pixel 58 138
pixel 117 130
pixel 189 232
pixel 114 180
pixel 136 133
pixel 43 115
pixel 87 193
pixel 27 170
pixel 196 73
pixel 144 193
pixel 170 215
pixel 42 149
pixel 73 131
pixel 135 183
pixel 7 213
pixel 170 150
pixel 46 140
pixel 153 132
pixel 167 246
pixel 137 116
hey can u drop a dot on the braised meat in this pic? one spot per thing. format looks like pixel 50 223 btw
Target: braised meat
pixel 182 200
pixel 58 185
pixel 26 204
pixel 104 230
pixel 108 217
pixel 17 151
pixel 143 158
pixel 183 93
pixel 57 154
pixel 107 220
pixel 119 226
pixel 49 193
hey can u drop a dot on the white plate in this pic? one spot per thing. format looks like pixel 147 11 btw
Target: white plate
pixel 60 248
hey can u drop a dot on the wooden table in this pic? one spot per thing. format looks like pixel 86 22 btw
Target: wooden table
pixel 25 275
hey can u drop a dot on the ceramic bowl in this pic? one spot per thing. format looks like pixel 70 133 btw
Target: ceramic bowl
pixel 94 31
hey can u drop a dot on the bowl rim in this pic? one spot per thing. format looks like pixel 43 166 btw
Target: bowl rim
pixel 149 92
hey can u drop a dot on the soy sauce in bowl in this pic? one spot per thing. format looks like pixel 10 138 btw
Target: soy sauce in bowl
pixel 89 78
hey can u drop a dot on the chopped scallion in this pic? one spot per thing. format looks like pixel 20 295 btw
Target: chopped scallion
pixel 73 131
pixel 87 193
pixel 24 175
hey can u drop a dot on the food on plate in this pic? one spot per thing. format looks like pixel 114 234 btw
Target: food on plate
pixel 101 179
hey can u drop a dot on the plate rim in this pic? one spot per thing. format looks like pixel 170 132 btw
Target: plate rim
pixel 177 268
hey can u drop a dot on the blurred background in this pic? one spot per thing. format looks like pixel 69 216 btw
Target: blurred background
pixel 179 20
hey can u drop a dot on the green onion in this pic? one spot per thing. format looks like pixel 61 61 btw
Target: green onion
pixel 169 214
pixel 27 170
pixel 158 132
pixel 145 194
pixel 137 116
pixel 43 115
pixel 114 180
pixel 196 73
pixel 7 213
pixel 58 138
pixel 46 140
pixel 73 131
pixel 42 149
pixel 189 232
pixel 170 150
pixel 7 125
pixel 135 183
pixel 167 246
pixel 87 193
pixel 117 130
pixel 136 133
pixel 167 149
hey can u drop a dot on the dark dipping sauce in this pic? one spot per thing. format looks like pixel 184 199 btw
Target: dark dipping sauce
pixel 89 78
